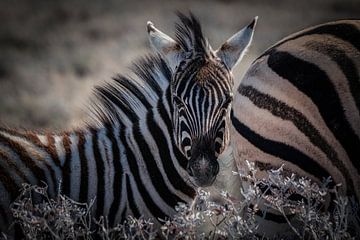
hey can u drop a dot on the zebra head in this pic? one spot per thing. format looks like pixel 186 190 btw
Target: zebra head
pixel 201 90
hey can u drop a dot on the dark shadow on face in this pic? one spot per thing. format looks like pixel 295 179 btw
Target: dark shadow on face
pixel 203 166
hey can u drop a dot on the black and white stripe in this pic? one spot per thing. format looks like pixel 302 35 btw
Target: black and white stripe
pixel 129 163
pixel 299 105
pixel 131 160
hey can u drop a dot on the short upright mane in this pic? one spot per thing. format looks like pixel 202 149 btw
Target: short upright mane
pixel 128 98
pixel 189 34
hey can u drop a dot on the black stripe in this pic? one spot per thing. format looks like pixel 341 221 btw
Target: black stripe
pixel 19 150
pixel 54 180
pixel 84 177
pixel 278 149
pixel 33 138
pixel 51 149
pixel 345 63
pixel 166 118
pixel 134 91
pixel 134 169
pixel 344 31
pixel 4 216
pixel 12 190
pixel 131 199
pixel 123 213
pixel 111 97
pixel 315 83
pixel 155 175
pixel 117 184
pixel 114 94
pixel 188 74
pixel 100 172
pixel 146 69
pixel 12 164
pixel 160 140
pixel 9 184
pixel 24 156
pixel 66 170
pixel 192 109
pixel 283 111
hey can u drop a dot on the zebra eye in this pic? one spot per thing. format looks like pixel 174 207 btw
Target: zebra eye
pixel 186 146
pixel 219 140
pixel 218 147
pixel 188 152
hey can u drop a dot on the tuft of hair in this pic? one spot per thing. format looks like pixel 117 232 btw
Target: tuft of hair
pixel 126 99
pixel 189 35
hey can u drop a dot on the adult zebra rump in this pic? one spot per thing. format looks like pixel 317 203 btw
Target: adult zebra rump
pixel 299 105
pixel 159 135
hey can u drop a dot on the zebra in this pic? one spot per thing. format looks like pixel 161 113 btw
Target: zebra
pixel 158 135
pixel 298 105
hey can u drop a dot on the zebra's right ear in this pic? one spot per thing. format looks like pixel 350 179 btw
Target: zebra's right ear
pixel 234 48
pixel 168 48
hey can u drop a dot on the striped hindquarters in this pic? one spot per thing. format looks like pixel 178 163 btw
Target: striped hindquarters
pixel 299 105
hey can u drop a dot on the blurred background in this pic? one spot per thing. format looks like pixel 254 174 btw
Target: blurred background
pixel 52 53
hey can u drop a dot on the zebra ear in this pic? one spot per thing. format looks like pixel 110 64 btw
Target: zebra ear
pixel 165 45
pixel 234 48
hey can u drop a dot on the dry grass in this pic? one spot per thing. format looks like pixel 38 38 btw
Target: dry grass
pixel 63 218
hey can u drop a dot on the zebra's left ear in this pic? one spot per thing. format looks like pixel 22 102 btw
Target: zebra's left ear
pixel 234 48
pixel 168 48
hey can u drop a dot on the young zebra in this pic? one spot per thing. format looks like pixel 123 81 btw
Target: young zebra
pixel 299 105
pixel 160 134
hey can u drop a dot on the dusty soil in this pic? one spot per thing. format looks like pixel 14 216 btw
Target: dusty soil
pixel 52 53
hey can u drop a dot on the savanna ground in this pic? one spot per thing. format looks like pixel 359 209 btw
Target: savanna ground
pixel 52 53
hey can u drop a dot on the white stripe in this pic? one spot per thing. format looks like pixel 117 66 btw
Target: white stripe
pixel 91 164
pixel 262 78
pixel 155 152
pixel 43 139
pixel 331 68
pixel 106 154
pixel 276 129
pixel 123 161
pixel 178 168
pixel 145 177
pixel 60 150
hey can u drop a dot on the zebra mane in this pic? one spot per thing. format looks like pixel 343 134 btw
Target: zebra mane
pixel 189 34
pixel 128 98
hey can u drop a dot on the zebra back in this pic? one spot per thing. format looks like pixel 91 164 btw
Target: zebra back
pixel 298 105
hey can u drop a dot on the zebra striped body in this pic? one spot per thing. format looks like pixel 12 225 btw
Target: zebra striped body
pixel 133 161
pixel 299 105
pixel 131 166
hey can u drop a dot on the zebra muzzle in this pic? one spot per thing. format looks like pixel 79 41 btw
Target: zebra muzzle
pixel 203 170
